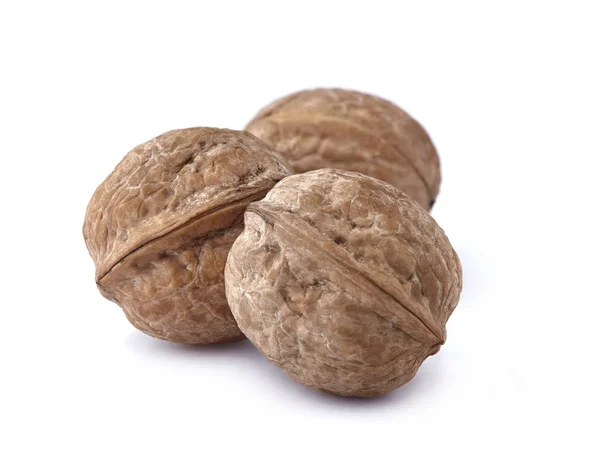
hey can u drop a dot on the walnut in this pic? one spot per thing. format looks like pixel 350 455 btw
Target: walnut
pixel 349 130
pixel 343 281
pixel 160 226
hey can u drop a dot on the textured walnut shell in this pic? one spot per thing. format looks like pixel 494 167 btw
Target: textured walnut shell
pixel 343 281
pixel 349 130
pixel 160 226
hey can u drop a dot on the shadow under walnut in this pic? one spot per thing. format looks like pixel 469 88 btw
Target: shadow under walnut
pixel 160 227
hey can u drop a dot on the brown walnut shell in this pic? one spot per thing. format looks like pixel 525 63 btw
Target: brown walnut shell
pixel 353 131
pixel 343 281
pixel 160 226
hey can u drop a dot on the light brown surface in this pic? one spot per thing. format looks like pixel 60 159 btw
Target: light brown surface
pixel 349 130
pixel 160 226
pixel 342 281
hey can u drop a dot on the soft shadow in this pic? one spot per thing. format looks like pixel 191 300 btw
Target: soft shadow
pixel 145 345
pixel 278 384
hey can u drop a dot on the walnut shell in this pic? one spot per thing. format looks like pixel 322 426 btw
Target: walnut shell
pixel 160 226
pixel 349 130
pixel 343 281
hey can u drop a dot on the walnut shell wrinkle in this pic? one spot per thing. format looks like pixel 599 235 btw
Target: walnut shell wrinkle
pixel 159 228
pixel 343 281
pixel 349 130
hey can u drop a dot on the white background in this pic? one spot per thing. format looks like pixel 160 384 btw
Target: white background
pixel 509 92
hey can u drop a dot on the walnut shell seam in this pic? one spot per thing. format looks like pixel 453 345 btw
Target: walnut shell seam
pixel 231 203
pixel 309 237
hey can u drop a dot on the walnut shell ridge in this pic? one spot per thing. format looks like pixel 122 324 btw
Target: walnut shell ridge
pixel 160 226
pixel 349 130
pixel 343 281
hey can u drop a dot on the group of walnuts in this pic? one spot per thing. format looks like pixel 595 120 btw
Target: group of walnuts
pixel 308 233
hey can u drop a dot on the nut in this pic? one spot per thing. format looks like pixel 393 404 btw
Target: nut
pixel 349 130
pixel 160 226
pixel 343 281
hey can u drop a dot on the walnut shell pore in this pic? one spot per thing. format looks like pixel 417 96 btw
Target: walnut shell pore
pixel 342 281
pixel 159 228
pixel 349 130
